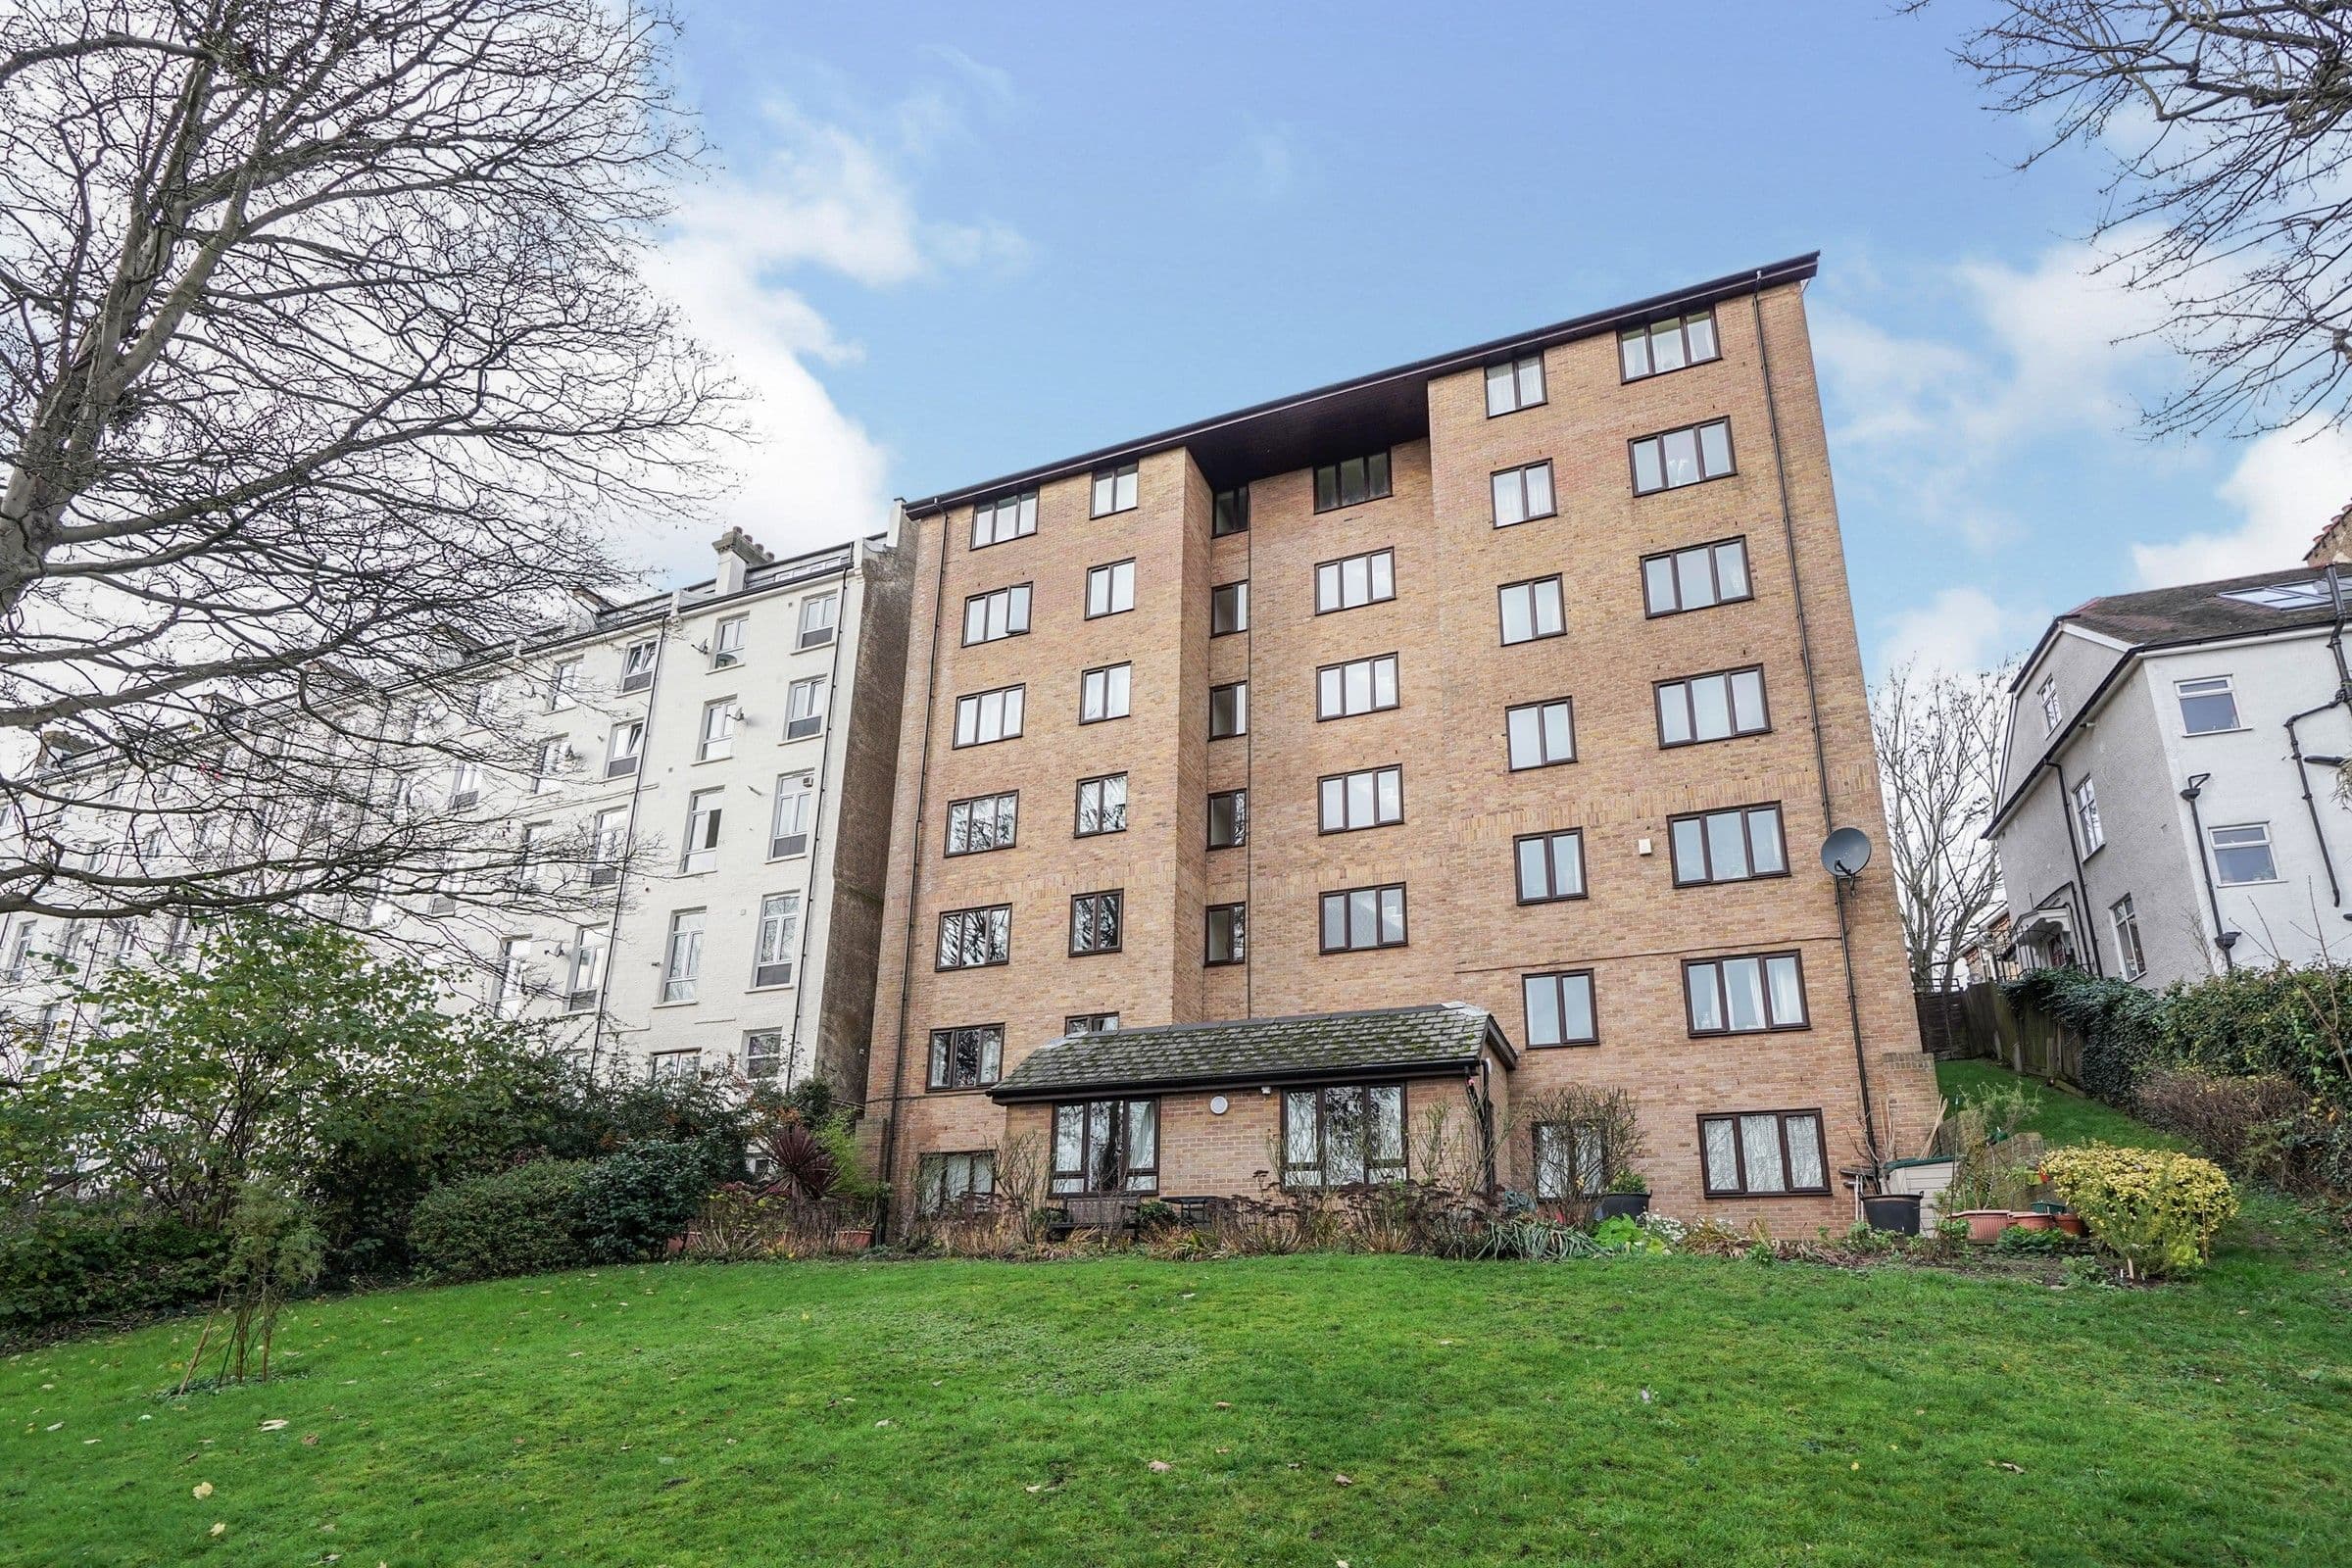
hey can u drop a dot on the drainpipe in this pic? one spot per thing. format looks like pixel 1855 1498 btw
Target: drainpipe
pixel 2223 937
pixel 1821 755
pixel 2294 745
pixel 2074 848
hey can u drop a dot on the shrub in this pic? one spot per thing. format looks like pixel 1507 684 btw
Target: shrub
pixel 2225 1117
pixel 633 1202
pixel 2155 1209
pixel 69 1262
pixel 2280 1022
pixel 522 1222
pixel 2119 1022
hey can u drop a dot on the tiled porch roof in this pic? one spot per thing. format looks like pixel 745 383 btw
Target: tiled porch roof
pixel 1427 1041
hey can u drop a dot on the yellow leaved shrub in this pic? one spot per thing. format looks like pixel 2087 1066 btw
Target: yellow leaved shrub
pixel 2154 1208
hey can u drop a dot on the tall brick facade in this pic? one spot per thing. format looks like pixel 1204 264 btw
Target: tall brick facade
pixel 1469 937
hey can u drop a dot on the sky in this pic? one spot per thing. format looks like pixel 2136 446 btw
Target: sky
pixel 943 243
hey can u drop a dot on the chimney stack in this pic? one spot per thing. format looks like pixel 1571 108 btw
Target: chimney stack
pixel 2334 546
pixel 738 554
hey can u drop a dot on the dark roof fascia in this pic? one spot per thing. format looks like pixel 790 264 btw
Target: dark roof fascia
pixel 1794 270
pixel 1418 1067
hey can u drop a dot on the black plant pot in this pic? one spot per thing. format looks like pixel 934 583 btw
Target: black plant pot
pixel 1621 1205
pixel 1892 1211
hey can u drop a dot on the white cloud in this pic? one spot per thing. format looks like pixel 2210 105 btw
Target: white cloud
pixel 2284 489
pixel 1959 631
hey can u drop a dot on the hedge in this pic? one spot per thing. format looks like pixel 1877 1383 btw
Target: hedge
pixel 70 1262
pixel 522 1221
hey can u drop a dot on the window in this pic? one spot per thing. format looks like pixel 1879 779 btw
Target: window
pixel 1110 590
pixel 719 731
pixel 1696 577
pixel 1004 613
pixel 1514 385
pixel 2242 853
pixel 983 823
pixel 726 642
pixel 1531 610
pixel 1349 483
pixel 1353 580
pixel 2310 594
pixel 763 1055
pixel 1712 708
pixel 622 748
pixel 1550 865
pixel 2126 937
pixel 804 708
pixel 1089 1023
pixel 1095 922
pixel 1541 734
pixel 1346 1135
pixel 547 767
pixel 1229 711
pixel 779 934
pixel 1359 918
pixel 1102 805
pixel 1559 1008
pixel 562 685
pixel 2208 706
pixel 1228 819
pixel 1523 493
pixel 1228 512
pixel 682 958
pixel 2087 816
pixel 1571 1160
pixel 1359 686
pixel 466 785
pixel 968 1056
pixel 1115 490
pixel 587 974
pixel 512 986
pixel 1228 934
pixel 1731 845
pixel 946 1183
pixel 701 832
pixel 1667 345
pixel 788 831
pixel 986 716
pixel 1007 518
pixel 1107 1146
pixel 2049 691
pixel 20 952
pixel 1745 995
pixel 1677 457
pixel 1371 796
pixel 1764 1154
pixel 1103 694
pixel 608 837
pixel 820 617
pixel 637 666
pixel 675 1066
pixel 1228 609
pixel 973 939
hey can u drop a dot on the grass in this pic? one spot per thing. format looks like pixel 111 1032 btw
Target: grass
pixel 2060 1117
pixel 1663 1410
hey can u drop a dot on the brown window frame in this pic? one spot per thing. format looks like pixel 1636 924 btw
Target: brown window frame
pixel 1219 511
pixel 1239 909
pixel 1396 679
pixel 1055 1174
pixel 1657 711
pixel 934 1083
pixel 1078 829
pixel 949 824
pixel 1537 706
pixel 1368 557
pixel 1089 1023
pixel 992 505
pixel 956 716
pixel 1088 589
pixel 1105 671
pixel 1241 710
pixel 1239 589
pixel 945 915
pixel 1520 471
pixel 1648 334
pixel 1118 914
pixel 1364 1092
pixel 1723 1000
pixel 1591 1008
pixel 1404 915
pixel 1241 818
pixel 1029 592
pixel 931 1171
pixel 1706 845
pixel 1503 616
pixel 1633 463
pixel 1747 568
pixel 1513 364
pixel 1339 502
pixel 1583 885
pixel 1340 779
pixel 1820 1133
pixel 1114 474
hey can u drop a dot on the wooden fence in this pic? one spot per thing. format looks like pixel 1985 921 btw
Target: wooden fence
pixel 1978 1021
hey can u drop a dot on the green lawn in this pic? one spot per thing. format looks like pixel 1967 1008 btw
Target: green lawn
pixel 2060 1117
pixel 1665 1411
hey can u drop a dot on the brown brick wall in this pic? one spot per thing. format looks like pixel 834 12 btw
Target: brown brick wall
pixel 1469 939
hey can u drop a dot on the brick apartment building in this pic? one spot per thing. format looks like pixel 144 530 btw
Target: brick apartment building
pixel 1430 740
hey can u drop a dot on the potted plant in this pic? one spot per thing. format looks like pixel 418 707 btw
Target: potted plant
pixel 1626 1196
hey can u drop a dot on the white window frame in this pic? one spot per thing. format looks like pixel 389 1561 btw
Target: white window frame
pixel 624 747
pixel 821 621
pixel 774 953
pixel 804 708
pixel 2047 691
pixel 2264 842
pixel 2085 808
pixel 728 639
pixel 703 812
pixel 2123 919
pixel 791 818
pixel 2223 686
pixel 682 955
pixel 715 740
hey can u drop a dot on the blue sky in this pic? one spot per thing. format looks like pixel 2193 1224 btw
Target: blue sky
pixel 947 241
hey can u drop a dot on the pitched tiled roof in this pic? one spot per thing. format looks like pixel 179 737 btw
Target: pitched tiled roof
pixel 2200 610
pixel 1432 1039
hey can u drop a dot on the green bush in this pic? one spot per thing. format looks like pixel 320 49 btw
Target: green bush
pixel 633 1202
pixel 2119 1022
pixel 527 1220
pixel 2278 1022
pixel 2154 1208
pixel 70 1262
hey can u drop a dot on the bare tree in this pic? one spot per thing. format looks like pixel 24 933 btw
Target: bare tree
pixel 2225 121
pixel 327 369
pixel 1940 749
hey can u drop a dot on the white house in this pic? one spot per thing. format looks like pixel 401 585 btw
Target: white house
pixel 2170 801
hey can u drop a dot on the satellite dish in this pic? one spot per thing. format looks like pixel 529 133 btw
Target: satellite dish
pixel 1845 853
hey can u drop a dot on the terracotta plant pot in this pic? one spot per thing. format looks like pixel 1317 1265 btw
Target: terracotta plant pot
pixel 1984 1224
pixel 854 1241
pixel 2032 1219
pixel 2071 1224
